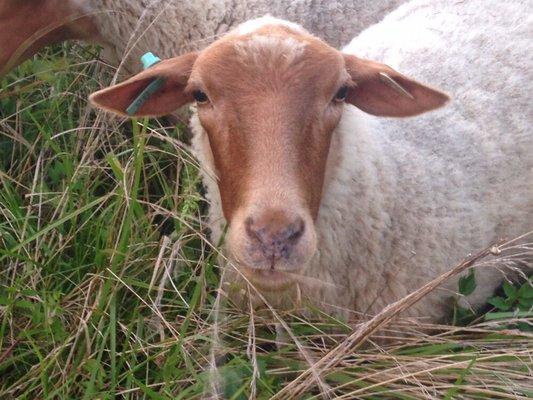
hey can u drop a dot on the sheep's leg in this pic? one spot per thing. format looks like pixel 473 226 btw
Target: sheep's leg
pixel 26 26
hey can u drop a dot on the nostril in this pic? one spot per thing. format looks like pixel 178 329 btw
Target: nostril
pixel 295 230
pixel 251 229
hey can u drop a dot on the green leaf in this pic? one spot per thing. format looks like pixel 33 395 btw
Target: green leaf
pixel 463 316
pixel 525 304
pixel 507 315
pixel 525 327
pixel 5 301
pixel 526 291
pixel 510 291
pixel 500 303
pixel 233 379
pixel 25 304
pixel 152 394
pixel 467 284
pixel 452 392
pixel 114 163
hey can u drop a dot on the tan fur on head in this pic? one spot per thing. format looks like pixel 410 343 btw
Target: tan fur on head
pixel 269 97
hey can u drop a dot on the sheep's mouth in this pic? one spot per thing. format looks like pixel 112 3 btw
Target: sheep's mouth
pixel 269 279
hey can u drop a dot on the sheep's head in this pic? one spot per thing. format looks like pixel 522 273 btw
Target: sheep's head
pixel 269 96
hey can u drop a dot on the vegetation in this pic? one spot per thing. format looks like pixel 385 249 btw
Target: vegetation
pixel 108 285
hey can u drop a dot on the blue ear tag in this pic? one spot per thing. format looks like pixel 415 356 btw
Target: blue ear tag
pixel 148 59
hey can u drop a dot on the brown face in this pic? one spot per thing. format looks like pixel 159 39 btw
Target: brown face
pixel 269 101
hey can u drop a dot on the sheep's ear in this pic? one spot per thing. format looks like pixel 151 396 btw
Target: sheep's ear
pixel 380 90
pixel 173 73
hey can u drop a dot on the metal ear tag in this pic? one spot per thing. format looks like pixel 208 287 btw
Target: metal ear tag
pixel 148 60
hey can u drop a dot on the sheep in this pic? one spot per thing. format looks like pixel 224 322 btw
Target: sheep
pixel 326 203
pixel 128 28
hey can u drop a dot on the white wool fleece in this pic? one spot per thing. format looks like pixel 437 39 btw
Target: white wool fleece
pixel 172 27
pixel 406 199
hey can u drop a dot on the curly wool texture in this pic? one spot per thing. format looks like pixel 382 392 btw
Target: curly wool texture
pixel 406 199
pixel 169 28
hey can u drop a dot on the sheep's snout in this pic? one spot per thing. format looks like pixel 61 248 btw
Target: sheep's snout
pixel 273 235
pixel 272 246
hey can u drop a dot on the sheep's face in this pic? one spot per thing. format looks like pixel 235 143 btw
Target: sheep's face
pixel 269 103
pixel 269 100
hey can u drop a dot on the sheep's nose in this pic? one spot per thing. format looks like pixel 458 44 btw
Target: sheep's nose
pixel 274 233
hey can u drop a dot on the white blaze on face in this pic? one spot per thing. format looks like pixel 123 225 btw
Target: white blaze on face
pixel 261 48
pixel 258 23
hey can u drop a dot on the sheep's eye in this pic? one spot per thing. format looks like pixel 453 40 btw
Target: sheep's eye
pixel 200 96
pixel 341 94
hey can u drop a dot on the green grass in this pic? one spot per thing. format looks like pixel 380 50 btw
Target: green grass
pixel 108 287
